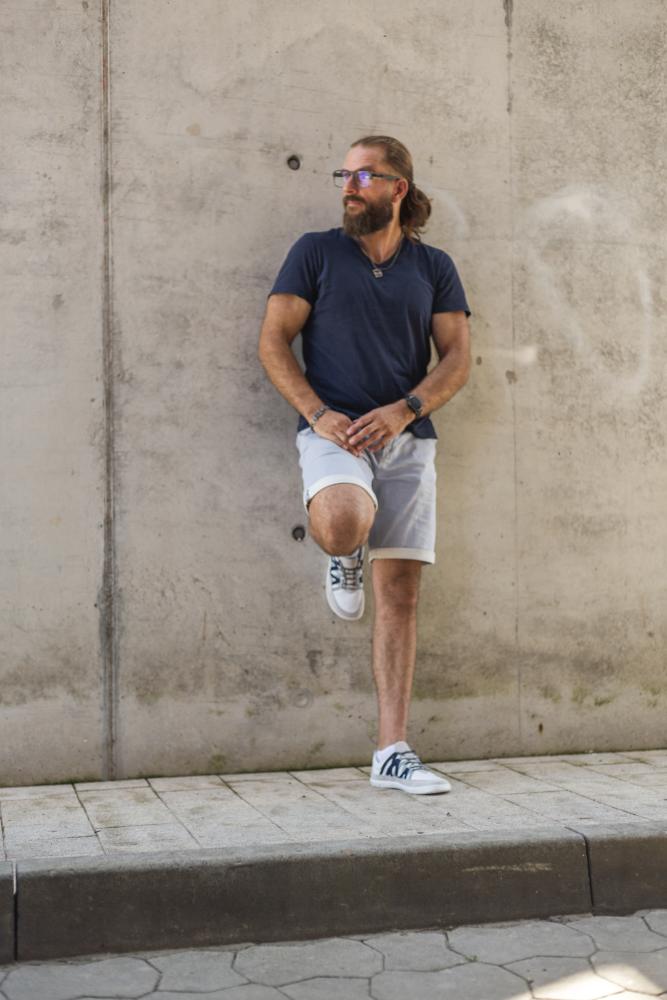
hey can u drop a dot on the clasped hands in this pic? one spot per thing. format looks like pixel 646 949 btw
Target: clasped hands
pixel 372 431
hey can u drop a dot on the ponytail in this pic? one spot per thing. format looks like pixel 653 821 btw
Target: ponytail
pixel 415 211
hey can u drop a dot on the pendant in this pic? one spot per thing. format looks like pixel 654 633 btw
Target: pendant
pixel 377 273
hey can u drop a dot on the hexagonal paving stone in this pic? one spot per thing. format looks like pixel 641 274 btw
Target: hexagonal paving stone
pixel 197 970
pixel 564 979
pixel 472 981
pixel 252 991
pixel 279 964
pixel 619 933
pixel 657 921
pixel 131 977
pixel 329 989
pixel 511 943
pixel 419 951
pixel 643 973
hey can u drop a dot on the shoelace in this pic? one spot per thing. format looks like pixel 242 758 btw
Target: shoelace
pixel 402 763
pixel 349 576
pixel 411 760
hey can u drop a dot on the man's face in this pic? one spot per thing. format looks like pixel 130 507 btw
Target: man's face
pixel 368 210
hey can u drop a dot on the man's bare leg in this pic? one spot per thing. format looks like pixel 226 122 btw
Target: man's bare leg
pixel 341 517
pixel 396 592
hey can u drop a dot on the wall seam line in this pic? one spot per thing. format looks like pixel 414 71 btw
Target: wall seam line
pixel 508 7
pixel 108 604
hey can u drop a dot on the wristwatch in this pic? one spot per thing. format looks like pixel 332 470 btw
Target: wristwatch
pixel 415 404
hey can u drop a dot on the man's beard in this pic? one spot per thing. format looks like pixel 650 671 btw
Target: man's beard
pixel 371 220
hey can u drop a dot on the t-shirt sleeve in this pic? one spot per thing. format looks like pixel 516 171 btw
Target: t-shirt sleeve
pixel 299 274
pixel 449 295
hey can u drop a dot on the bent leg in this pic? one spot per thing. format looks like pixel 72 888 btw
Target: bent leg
pixel 341 517
pixel 396 591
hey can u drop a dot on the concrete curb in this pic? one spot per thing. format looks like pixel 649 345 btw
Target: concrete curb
pixel 7 919
pixel 288 892
pixel 628 867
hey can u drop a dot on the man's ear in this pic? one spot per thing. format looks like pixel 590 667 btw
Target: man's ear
pixel 401 190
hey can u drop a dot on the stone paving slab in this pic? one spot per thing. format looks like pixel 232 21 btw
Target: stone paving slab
pixel 565 958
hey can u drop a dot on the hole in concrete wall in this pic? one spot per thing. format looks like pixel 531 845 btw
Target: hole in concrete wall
pixel 293 162
pixel 298 533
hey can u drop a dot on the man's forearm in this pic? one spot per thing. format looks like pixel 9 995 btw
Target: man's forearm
pixel 445 380
pixel 284 372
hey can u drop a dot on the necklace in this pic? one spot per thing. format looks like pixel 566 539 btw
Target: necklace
pixel 376 269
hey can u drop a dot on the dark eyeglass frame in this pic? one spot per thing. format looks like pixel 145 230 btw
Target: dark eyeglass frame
pixel 342 177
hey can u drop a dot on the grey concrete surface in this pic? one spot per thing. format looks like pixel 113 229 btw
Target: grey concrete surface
pixel 7 919
pixel 157 614
pixel 52 441
pixel 126 902
pixel 620 876
pixel 564 958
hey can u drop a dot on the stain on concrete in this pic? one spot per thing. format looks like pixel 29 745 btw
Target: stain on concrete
pixel 47 675
pixel 508 6
pixel 511 377
pixel 57 301
pixel 314 657
pixel 194 129
pixel 550 693
pixel 13 236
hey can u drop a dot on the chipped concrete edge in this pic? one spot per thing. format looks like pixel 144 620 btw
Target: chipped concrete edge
pixel 128 902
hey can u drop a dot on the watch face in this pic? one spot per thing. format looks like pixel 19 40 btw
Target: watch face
pixel 415 404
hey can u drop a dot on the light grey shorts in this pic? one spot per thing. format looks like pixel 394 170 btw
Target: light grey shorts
pixel 400 479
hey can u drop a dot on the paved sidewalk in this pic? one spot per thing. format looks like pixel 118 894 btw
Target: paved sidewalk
pixel 221 859
pixel 570 958
pixel 229 810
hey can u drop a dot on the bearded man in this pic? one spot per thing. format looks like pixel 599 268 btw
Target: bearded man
pixel 368 299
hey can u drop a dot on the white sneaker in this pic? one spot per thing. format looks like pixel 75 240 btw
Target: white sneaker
pixel 345 585
pixel 397 766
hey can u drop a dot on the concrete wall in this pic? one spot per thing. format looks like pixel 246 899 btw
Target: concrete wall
pixel 157 615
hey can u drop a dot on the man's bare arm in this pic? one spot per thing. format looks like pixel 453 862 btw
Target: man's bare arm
pixel 285 317
pixel 451 335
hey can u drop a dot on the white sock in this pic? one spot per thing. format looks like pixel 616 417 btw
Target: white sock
pixel 385 752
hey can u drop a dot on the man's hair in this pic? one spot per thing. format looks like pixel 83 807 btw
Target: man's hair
pixel 415 207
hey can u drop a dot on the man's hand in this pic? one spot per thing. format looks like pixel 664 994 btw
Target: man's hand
pixel 378 427
pixel 334 426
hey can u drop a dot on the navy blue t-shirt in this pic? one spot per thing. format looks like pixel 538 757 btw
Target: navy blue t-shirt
pixel 366 342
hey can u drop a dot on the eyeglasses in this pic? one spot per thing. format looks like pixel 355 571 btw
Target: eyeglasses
pixel 361 178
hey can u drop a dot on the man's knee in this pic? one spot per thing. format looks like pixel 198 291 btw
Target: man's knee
pixel 341 517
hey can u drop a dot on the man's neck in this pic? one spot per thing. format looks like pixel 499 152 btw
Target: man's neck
pixel 381 245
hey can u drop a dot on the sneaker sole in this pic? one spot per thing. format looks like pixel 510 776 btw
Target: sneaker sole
pixel 422 789
pixel 334 607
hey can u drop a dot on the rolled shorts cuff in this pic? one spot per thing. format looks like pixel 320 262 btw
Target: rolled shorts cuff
pixel 325 481
pixel 420 555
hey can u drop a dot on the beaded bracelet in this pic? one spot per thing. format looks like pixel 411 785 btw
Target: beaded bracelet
pixel 316 416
